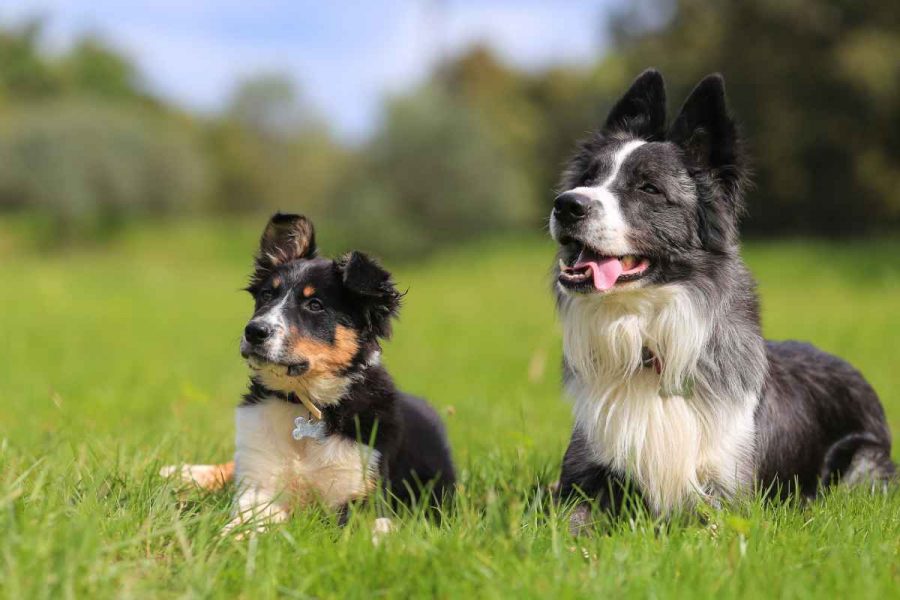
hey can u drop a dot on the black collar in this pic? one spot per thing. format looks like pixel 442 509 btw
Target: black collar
pixel 649 359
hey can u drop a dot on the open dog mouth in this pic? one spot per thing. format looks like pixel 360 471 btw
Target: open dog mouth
pixel 593 271
pixel 260 363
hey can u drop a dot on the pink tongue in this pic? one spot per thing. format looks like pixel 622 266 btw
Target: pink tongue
pixel 605 271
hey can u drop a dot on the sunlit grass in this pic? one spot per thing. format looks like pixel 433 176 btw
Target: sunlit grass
pixel 115 362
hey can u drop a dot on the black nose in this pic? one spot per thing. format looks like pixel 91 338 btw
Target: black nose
pixel 256 332
pixel 571 206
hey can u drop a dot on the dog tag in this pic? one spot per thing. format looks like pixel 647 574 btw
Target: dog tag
pixel 307 428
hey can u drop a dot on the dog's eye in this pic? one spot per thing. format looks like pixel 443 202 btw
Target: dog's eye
pixel 649 188
pixel 266 296
pixel 314 305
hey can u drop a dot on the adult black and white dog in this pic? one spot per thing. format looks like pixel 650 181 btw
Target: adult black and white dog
pixel 676 392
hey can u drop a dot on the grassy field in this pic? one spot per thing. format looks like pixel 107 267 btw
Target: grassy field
pixel 117 361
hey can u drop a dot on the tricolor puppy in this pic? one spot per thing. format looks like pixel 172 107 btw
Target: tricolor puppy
pixel 676 392
pixel 322 420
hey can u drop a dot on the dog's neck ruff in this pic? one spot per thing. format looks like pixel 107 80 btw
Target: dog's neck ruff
pixel 609 338
pixel 634 358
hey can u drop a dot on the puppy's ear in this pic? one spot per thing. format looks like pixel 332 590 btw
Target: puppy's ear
pixel 708 135
pixel 374 288
pixel 286 238
pixel 642 110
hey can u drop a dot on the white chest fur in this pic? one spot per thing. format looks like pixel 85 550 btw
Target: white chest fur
pixel 675 449
pixel 272 468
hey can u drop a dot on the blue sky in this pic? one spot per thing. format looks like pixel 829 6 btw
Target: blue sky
pixel 344 55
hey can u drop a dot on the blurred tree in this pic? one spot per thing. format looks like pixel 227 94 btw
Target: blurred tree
pixel 498 94
pixel 92 68
pixel 268 105
pixel 433 174
pixel 90 165
pixel 24 72
pixel 271 151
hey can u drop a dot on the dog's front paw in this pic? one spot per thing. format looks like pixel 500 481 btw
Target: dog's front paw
pixel 580 521
pixel 381 528
pixel 242 529
pixel 254 519
pixel 207 477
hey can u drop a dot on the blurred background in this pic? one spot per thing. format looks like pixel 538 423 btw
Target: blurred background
pixel 404 126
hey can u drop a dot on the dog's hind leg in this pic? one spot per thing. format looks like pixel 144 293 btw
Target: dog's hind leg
pixel 207 477
pixel 859 459
pixel 871 465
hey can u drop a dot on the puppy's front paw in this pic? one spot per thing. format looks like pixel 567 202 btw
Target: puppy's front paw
pixel 242 529
pixel 207 477
pixel 254 519
pixel 380 528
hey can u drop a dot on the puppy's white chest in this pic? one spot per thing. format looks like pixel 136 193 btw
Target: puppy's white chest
pixel 326 468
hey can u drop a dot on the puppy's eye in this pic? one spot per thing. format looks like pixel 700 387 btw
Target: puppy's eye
pixel 649 188
pixel 266 296
pixel 314 305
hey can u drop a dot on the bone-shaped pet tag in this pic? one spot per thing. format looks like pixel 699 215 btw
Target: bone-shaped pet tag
pixel 308 428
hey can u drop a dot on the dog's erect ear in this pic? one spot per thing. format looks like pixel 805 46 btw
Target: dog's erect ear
pixel 286 238
pixel 704 128
pixel 642 110
pixel 708 135
pixel 374 288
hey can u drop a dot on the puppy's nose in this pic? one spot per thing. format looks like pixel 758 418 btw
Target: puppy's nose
pixel 256 332
pixel 570 207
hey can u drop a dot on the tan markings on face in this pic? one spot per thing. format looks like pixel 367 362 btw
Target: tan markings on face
pixel 324 358
pixel 308 291
pixel 276 283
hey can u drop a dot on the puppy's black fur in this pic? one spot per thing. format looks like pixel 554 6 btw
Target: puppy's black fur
pixel 323 319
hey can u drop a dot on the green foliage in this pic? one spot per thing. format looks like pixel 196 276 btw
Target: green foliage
pixel 267 105
pixel 271 152
pixel 92 68
pixel 116 363
pixel 88 68
pixel 24 73
pixel 432 175
pixel 90 165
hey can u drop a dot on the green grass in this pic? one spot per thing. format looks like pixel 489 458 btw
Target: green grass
pixel 118 360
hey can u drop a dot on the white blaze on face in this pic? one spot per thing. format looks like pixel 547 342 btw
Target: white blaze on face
pixel 607 228
pixel 274 318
